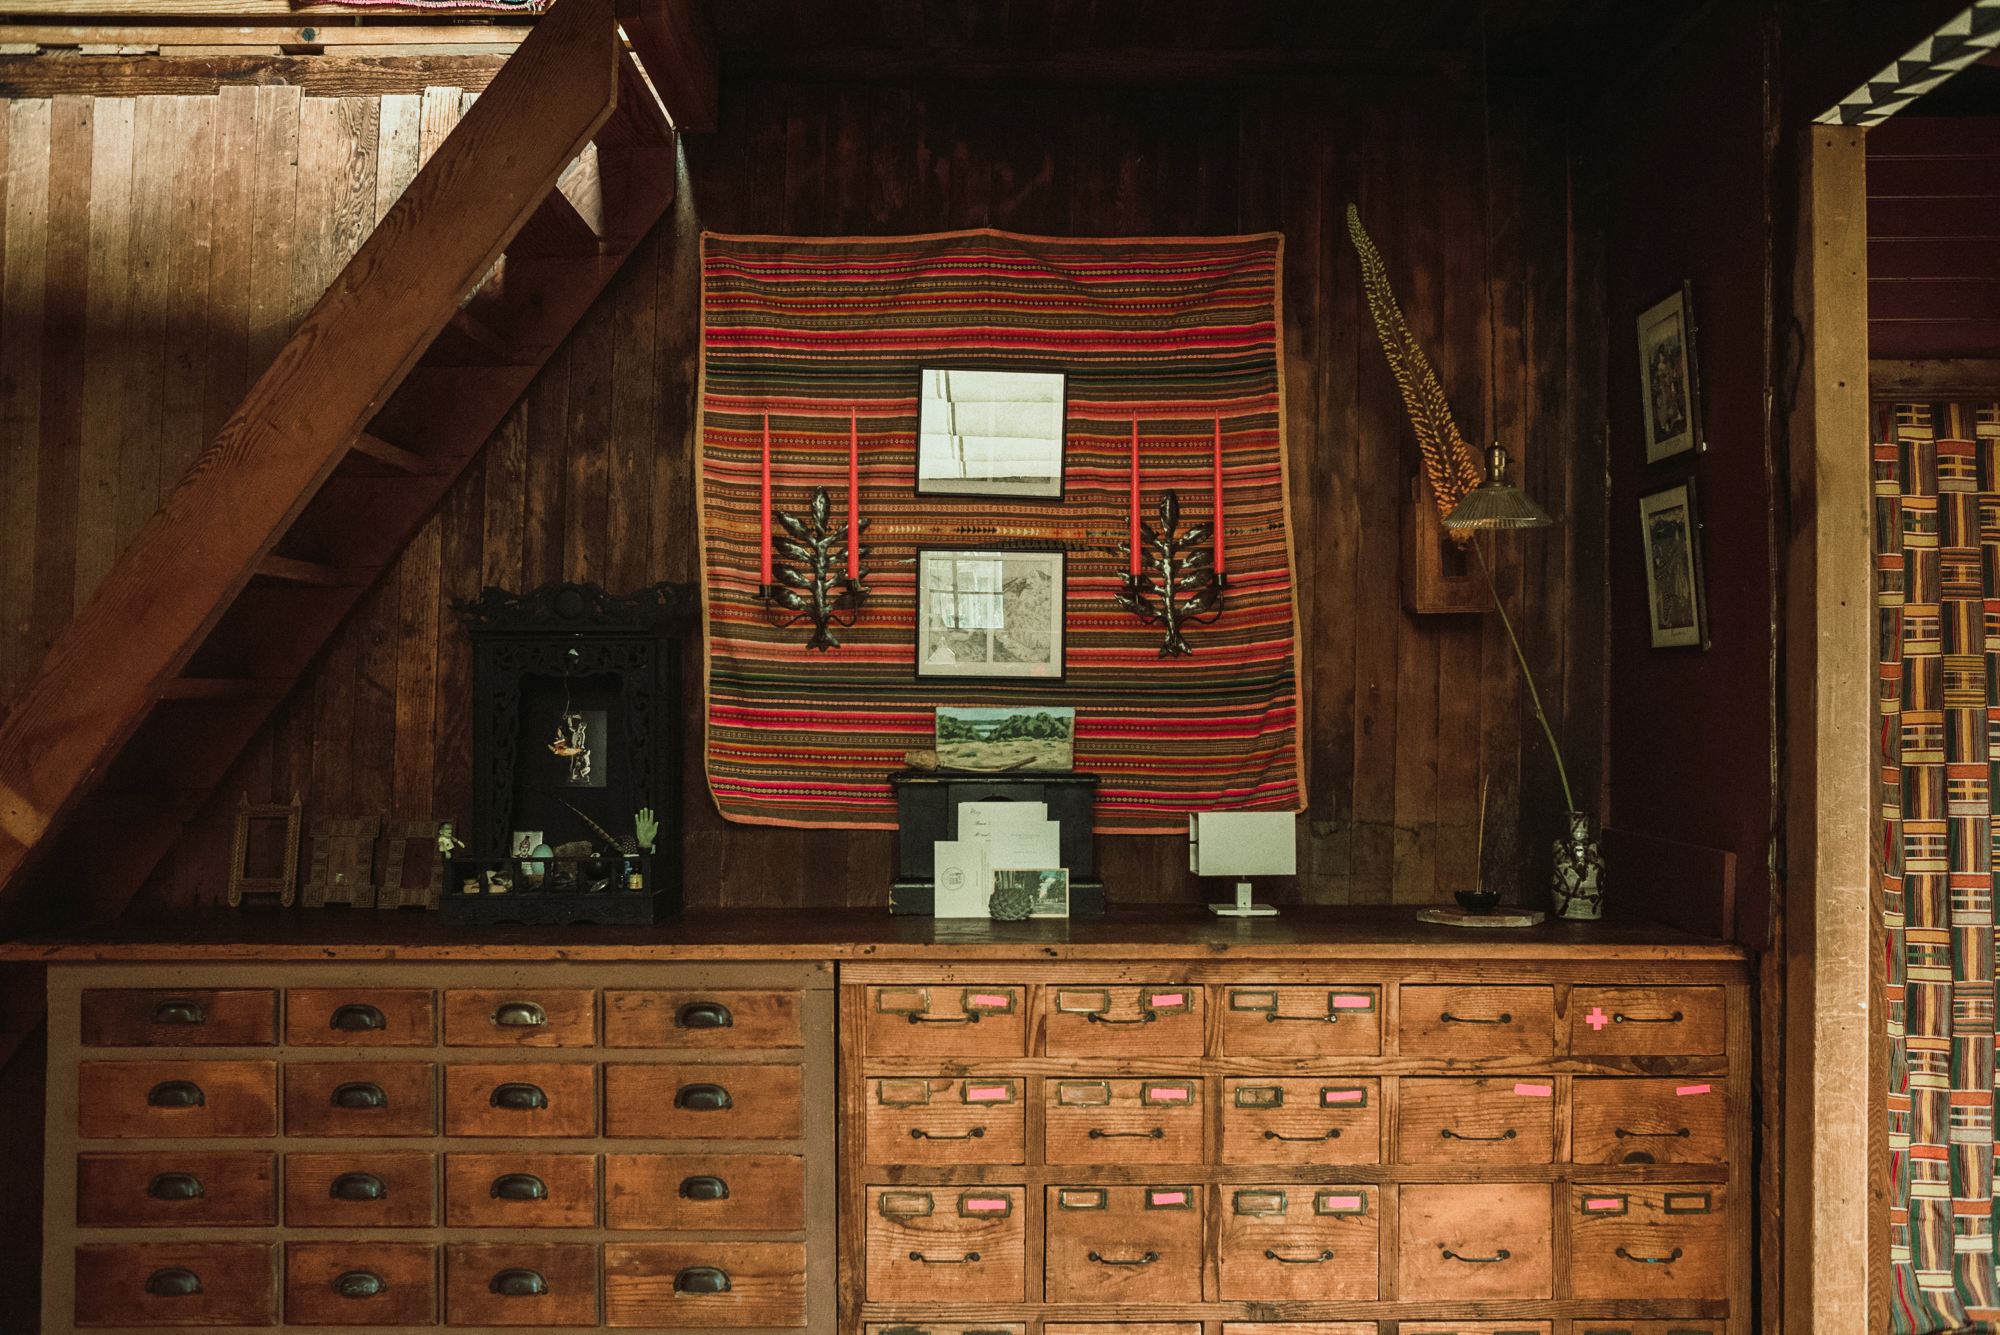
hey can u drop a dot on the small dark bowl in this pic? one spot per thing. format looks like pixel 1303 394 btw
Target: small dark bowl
pixel 1477 901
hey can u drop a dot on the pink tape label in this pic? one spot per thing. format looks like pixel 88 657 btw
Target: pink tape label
pixel 979 1203
pixel 1353 1003
pixel 1340 1096
pixel 1341 1202
pixel 988 999
pixel 1535 1091
pixel 1161 1093
pixel 986 1093
pixel 1169 1198
pixel 1603 1203
pixel 1685 1090
pixel 1169 999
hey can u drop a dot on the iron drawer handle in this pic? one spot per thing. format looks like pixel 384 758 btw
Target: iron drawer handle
pixel 358 1187
pixel 701 1279
pixel 1147 1259
pixel 703 1015
pixel 174 1187
pixel 359 1094
pixel 520 1015
pixel 179 1011
pixel 1651 1260
pixel 1506 1017
pixel 519 1098
pixel 1157 1133
pixel 176 1094
pixel 1270 1255
pixel 1621 1133
pixel 519 1187
pixel 918 1133
pixel 1333 1133
pixel 1094 1018
pixel 173 1282
pixel 357 1017
pixel 518 1284
pixel 704 1188
pixel 1272 1017
pixel 360 1284
pixel 702 1098
pixel 1500 1255
pixel 945 1260
pixel 970 1017
pixel 1449 1134
pixel 1617 1018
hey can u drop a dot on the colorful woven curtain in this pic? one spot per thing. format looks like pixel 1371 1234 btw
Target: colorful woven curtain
pixel 1937 557
pixel 1175 334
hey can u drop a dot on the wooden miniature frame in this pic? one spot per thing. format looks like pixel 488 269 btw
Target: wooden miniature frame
pixel 285 884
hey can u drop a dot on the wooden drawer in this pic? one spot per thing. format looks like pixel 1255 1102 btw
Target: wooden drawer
pixel 360 1189
pixel 674 1102
pixel 1649 1121
pixel 947 1244
pixel 1477 1023
pixel 520 1017
pixel 177 1189
pixel 677 1284
pixel 1325 1120
pixel 1122 1121
pixel 520 1099
pixel 520 1284
pixel 1515 1327
pixel 360 1099
pixel 1124 1244
pixel 1331 1021
pixel 1299 1327
pixel 687 1018
pixel 1646 1021
pixel 704 1192
pixel 1635 1241
pixel 1685 1325
pixel 176 1100
pixel 987 1020
pixel 1299 1242
pixel 175 1284
pixel 131 1017
pixel 360 1017
pixel 1157 1020
pixel 943 1121
pixel 952 1328
pixel 360 1284
pixel 520 1190
pixel 1471 1243
pixel 1503 1119
pixel 1125 1328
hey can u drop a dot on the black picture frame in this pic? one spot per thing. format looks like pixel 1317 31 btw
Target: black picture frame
pixel 1670 377
pixel 1670 539
pixel 930 665
pixel 967 491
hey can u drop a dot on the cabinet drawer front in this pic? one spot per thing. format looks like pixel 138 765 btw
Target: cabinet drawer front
pixel 1302 1327
pixel 1686 1325
pixel 360 1284
pixel 1325 1120
pixel 521 1017
pixel 1125 1244
pixel 947 1020
pixel 360 1099
pixel 1123 1121
pixel 1477 1023
pixel 942 1121
pixel 687 1018
pixel 704 1192
pixel 1299 1241
pixel 175 1284
pixel 177 1189
pixel 674 1102
pixel 1330 1021
pixel 1475 1242
pixel 947 1244
pixel 360 1189
pixel 520 1190
pixel 1617 1120
pixel 1125 1328
pixel 360 1017
pixel 1504 1119
pixel 954 1328
pixel 176 1100
pixel 520 1099
pixel 1157 1020
pixel 1653 1241
pixel 675 1284
pixel 1646 1021
pixel 520 1284
pixel 130 1017
pixel 1481 1327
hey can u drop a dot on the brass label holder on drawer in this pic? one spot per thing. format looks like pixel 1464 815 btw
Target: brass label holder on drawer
pixel 1074 1198
pixel 903 1093
pixel 984 1092
pixel 1170 1198
pixel 1340 1203
pixel 1260 1204
pixel 906 1204
pixel 984 1205
pixel 1083 1093
pixel 1260 1096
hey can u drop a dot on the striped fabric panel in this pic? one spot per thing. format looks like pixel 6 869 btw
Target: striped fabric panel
pixel 1173 333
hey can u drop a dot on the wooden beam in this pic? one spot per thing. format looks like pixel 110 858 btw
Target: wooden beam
pixel 265 33
pixel 1091 68
pixel 312 572
pixel 1927 378
pixel 320 76
pixel 137 11
pixel 374 447
pixel 228 688
pixel 676 48
pixel 187 566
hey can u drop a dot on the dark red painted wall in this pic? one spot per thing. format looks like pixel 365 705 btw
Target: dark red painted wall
pixel 1934 238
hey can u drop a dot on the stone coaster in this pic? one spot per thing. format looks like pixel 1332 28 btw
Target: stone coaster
pixel 1503 918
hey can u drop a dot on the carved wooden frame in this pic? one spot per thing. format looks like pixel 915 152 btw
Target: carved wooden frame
pixel 285 887
pixel 336 842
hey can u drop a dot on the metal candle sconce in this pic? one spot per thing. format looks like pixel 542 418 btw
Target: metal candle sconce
pixel 812 543
pixel 1188 589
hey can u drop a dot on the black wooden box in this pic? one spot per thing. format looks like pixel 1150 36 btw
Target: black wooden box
pixel 927 811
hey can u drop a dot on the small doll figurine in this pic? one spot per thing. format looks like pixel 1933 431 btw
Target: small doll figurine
pixel 448 843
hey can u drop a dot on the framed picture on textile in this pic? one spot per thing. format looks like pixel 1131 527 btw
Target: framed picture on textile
pixel 1669 392
pixel 990 614
pixel 1677 605
pixel 990 433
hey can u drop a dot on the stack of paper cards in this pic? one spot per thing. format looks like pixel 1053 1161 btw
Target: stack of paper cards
pixel 996 837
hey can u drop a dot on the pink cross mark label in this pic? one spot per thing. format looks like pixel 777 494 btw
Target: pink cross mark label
pixel 1169 999
pixel 1603 1203
pixel 1535 1091
pixel 1597 1019
pixel 1343 1003
pixel 1162 1093
pixel 1170 1198
pixel 1340 1096
pixel 977 1203
pixel 1685 1090
pixel 987 1093
pixel 987 999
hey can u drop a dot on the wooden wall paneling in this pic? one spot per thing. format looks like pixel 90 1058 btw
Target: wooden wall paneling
pixel 586 445
pixel 154 161
pixel 847 150
pixel 398 129
pixel 106 320
pixel 677 353
pixel 805 161
pixel 461 524
pixel 546 500
pixel 273 246
pixel 504 501
pixel 66 276
pixel 231 239
pixel 419 601
pixel 23 253
pixel 633 421
pixel 189 244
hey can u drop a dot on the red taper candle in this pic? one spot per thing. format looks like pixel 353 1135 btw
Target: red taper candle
pixel 1135 498
pixel 853 494
pixel 1218 496
pixel 764 513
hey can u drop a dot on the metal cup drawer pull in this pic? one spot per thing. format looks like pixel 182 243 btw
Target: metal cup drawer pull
pixel 1618 1017
pixel 518 1097
pixel 357 1017
pixel 174 1187
pixel 970 1258
pixel 1326 1255
pixel 1622 1134
pixel 1650 1260
pixel 701 1279
pixel 703 1098
pixel 1156 1133
pixel 918 1133
pixel 1500 1255
pixel 519 1187
pixel 518 1283
pixel 519 1015
pixel 704 1015
pixel 1147 1259
pixel 704 1187
pixel 176 1094
pixel 178 1011
pixel 1448 1134
pixel 358 1187
pixel 360 1284
pixel 359 1094
pixel 1505 1017
pixel 173 1282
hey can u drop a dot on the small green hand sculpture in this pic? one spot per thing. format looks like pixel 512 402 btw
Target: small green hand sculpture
pixel 648 828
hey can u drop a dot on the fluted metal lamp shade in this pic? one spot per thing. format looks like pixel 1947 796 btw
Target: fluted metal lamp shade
pixel 1496 502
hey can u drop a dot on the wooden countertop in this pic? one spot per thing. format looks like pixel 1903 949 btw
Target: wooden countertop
pixel 1132 932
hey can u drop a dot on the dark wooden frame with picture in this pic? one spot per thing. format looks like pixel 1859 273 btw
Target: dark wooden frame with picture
pixel 1676 601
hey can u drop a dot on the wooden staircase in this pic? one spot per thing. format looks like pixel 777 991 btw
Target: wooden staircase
pixel 388 388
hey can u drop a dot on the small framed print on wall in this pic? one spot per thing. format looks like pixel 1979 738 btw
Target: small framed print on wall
pixel 1677 605
pixel 990 433
pixel 990 614
pixel 1670 397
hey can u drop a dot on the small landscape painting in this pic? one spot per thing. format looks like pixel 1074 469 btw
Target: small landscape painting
pixel 1025 738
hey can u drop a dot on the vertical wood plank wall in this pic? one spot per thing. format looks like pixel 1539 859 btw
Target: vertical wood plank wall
pixel 590 477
